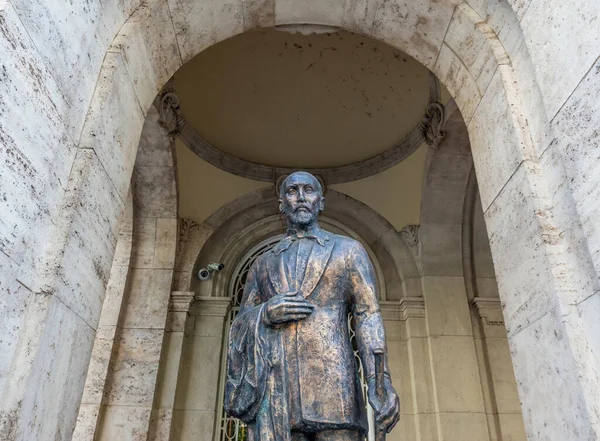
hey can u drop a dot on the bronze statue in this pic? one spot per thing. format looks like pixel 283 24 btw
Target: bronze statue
pixel 292 374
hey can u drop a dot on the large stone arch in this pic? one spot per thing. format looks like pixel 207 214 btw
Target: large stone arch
pixel 491 57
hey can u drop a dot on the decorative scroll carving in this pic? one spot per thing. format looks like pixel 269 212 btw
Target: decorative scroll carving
pixel 432 124
pixel 410 234
pixel 186 228
pixel 171 117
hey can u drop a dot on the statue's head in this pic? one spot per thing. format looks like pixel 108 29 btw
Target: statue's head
pixel 301 198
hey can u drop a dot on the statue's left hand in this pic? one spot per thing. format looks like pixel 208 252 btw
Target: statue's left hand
pixel 387 410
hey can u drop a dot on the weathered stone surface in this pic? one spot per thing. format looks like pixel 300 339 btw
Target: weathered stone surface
pixel 87 421
pixel 79 21
pixel 155 192
pixel 35 147
pixel 545 370
pixel 144 237
pixel 193 425
pixel 359 15
pixel 549 27
pixel 134 368
pixel 98 368
pixel 461 391
pixel 148 299
pixel 114 123
pixel 128 423
pixel 519 7
pixel 149 49
pixel 473 48
pixel 457 426
pixel 447 306
pixel 495 137
pixel 579 145
pixel 80 247
pixel 47 374
pixel 155 144
pixel 319 12
pixel 199 25
pixel 166 243
pixel 258 13
pixel 416 27
pixel 458 80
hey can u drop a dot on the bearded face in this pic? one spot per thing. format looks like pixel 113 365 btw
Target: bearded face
pixel 301 199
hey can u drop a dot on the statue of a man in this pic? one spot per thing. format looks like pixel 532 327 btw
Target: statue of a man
pixel 292 374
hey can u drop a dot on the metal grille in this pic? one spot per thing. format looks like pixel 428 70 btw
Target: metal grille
pixel 232 429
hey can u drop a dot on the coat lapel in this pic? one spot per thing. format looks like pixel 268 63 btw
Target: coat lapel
pixel 277 275
pixel 317 262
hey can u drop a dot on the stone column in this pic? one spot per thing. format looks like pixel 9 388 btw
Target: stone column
pixel 196 400
pixel 178 326
pixel 505 419
pixel 458 397
pixel 395 317
pixel 106 334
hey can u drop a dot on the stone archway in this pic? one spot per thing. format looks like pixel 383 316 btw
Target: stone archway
pixel 491 57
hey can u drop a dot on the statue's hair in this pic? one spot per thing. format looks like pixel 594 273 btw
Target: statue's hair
pixel 283 184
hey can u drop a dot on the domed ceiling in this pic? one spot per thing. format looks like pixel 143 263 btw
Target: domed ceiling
pixel 303 101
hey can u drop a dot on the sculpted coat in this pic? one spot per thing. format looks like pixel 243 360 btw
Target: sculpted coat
pixel 303 375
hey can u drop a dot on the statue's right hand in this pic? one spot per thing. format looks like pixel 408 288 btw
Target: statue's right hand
pixel 287 307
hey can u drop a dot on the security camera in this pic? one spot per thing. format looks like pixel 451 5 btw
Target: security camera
pixel 205 273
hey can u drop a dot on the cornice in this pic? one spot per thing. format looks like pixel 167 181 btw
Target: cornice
pixel 428 130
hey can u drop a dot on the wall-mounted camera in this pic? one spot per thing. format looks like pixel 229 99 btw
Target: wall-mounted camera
pixel 205 273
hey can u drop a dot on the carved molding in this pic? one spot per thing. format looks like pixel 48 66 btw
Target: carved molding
pixel 171 117
pixel 432 124
pixel 489 311
pixel 407 307
pixel 174 123
pixel 180 301
pixel 210 306
pixel 410 234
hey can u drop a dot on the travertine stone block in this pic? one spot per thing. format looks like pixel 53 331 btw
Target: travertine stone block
pixel 193 425
pixel 503 21
pixel 502 376
pixel 447 306
pixel 457 426
pixel 113 299
pixel 258 13
pixel 144 237
pixel 549 27
pixel 155 192
pixel 155 145
pixel 546 372
pixel 98 367
pixel 319 12
pixel 49 368
pixel 114 123
pixel 199 25
pixel 442 254
pixel 80 247
pixel 160 425
pixel 128 423
pixel 359 15
pixel 87 422
pixel 497 147
pixel 169 370
pixel 417 27
pixel 422 382
pixel 458 80
pixel 166 243
pixel 473 48
pixel 78 21
pixel 149 49
pixel 519 7
pixel 579 145
pixel 461 391
pixel 199 374
pixel 511 427
pixel 134 368
pixel 148 298
pixel 37 151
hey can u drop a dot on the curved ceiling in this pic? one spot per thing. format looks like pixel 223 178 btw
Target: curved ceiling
pixel 293 100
